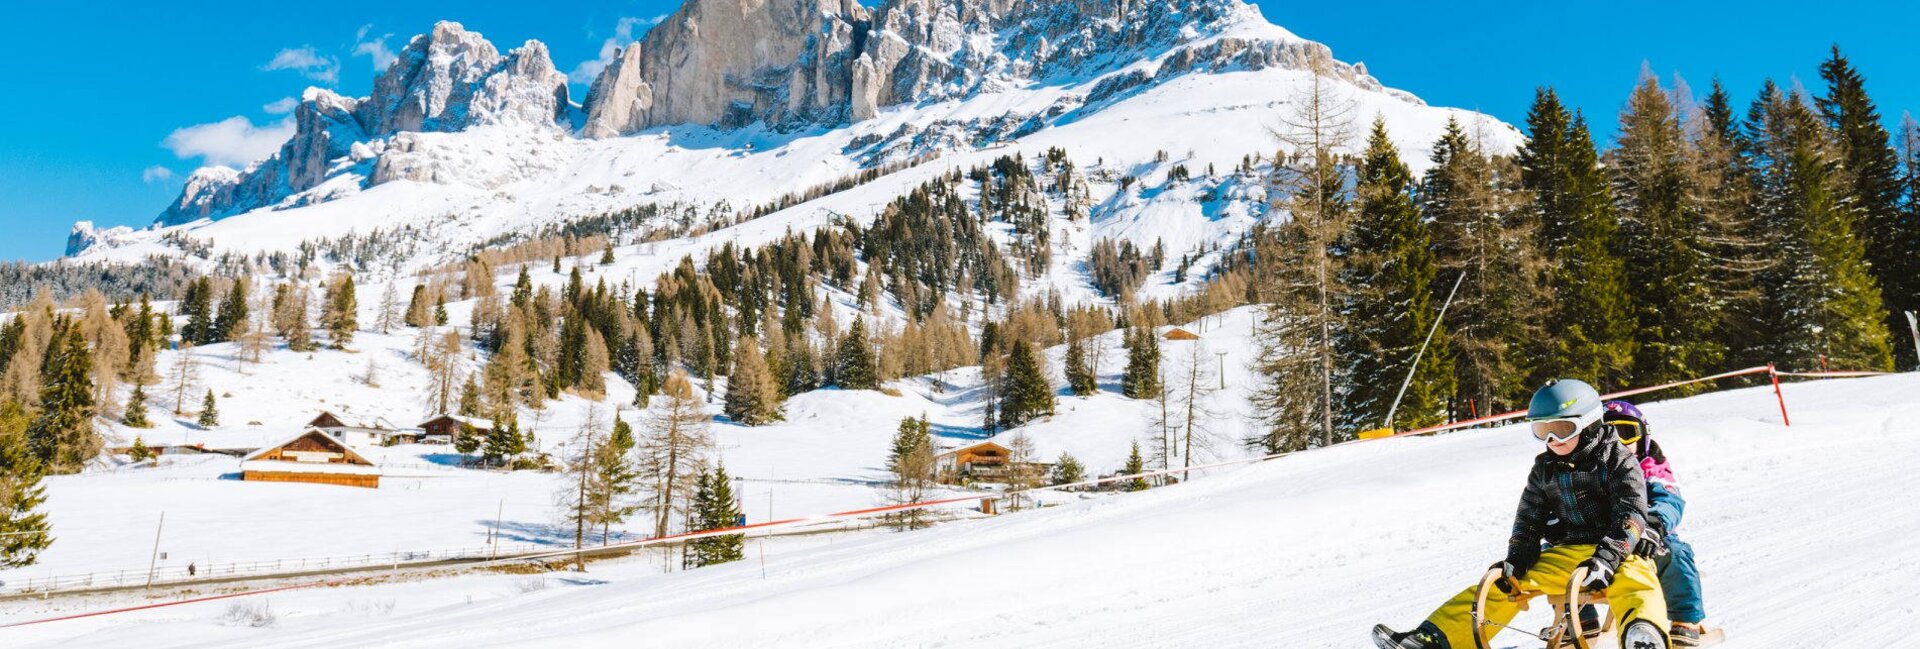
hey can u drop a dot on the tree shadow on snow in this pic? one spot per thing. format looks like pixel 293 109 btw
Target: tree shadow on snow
pixel 522 532
pixel 448 459
pixel 951 431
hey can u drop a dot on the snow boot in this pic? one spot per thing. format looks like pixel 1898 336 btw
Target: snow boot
pixel 1590 622
pixel 1685 635
pixel 1589 627
pixel 1641 634
pixel 1423 637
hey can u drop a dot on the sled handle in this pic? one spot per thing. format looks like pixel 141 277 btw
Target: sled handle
pixel 1571 605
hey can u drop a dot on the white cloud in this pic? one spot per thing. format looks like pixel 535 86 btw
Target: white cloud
pixel 154 173
pixel 308 62
pixel 233 142
pixel 610 48
pixel 283 106
pixel 375 48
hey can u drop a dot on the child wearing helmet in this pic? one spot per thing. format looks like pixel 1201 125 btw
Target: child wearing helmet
pixel 1584 506
pixel 1679 578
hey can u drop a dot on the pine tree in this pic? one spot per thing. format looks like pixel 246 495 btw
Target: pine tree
pixel 1135 465
pixel 854 369
pixel 209 415
pixel 1390 304
pixel 1068 470
pixel 1028 394
pixel 613 481
pixel 197 307
pixel 1142 377
pixel 136 410
pixel 801 375
pixel 910 459
pixel 24 532
pixel 672 448
pixel 1477 225
pixel 389 314
pixel 291 320
pixel 418 309
pixel 1822 300
pixel 1080 379
pixel 504 442
pixel 714 509
pixel 466 440
pixel 1738 241
pixel 139 452
pixel 1870 175
pixel 1589 332
pixel 752 398
pixel 1666 231
pixel 231 322
pixel 62 436
pixel 1301 285
pixel 622 436
pixel 342 312
pixel 469 398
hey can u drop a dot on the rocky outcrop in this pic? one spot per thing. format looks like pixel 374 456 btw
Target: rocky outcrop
pixel 790 63
pixel 452 79
pixel 728 63
pixel 447 80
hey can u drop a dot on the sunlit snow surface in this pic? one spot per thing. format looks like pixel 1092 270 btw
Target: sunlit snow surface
pixel 1795 528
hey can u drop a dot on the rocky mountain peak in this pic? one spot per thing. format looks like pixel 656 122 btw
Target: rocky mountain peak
pixel 451 78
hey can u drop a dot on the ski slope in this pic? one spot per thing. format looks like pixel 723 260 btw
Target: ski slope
pixel 1801 532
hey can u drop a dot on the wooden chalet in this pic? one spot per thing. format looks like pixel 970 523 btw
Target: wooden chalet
pixel 360 436
pixel 981 461
pixel 312 456
pixel 445 427
pixel 327 420
pixel 1177 333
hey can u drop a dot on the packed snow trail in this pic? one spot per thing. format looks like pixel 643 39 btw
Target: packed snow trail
pixel 1796 534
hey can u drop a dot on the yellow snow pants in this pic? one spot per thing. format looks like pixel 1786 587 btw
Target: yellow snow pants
pixel 1634 595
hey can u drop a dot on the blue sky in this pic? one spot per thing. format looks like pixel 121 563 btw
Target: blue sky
pixel 109 105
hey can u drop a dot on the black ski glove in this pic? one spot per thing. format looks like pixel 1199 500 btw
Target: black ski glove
pixel 1652 542
pixel 1509 581
pixel 1599 573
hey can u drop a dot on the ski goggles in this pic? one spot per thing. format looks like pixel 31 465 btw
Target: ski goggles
pixel 1554 431
pixel 1557 430
pixel 1629 432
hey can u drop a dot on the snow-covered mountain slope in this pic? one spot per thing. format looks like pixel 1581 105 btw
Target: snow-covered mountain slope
pixel 460 144
pixel 1799 543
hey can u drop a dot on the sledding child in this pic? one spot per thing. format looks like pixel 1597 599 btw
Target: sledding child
pixel 1587 500
pixel 1679 578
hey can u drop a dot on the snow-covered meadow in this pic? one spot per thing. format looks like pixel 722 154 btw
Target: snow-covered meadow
pixel 1792 525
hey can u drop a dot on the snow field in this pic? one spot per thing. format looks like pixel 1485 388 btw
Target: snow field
pixel 1793 527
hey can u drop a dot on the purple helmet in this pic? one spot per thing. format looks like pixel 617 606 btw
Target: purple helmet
pixel 1624 410
pixel 1630 427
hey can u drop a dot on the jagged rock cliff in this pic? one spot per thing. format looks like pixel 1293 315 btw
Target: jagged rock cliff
pixel 445 81
pixel 788 64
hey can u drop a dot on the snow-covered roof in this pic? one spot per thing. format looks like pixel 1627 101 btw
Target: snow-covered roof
pixel 475 422
pixel 369 431
pixel 959 449
pixel 308 467
pixel 344 448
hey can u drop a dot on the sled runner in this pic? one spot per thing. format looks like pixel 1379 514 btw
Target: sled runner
pixel 1567 631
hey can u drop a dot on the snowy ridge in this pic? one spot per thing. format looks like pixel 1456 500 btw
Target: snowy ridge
pixel 466 145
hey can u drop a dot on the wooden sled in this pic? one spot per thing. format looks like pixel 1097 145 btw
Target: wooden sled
pixel 1566 632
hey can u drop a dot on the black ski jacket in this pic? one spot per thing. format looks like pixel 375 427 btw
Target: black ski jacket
pixel 1595 495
